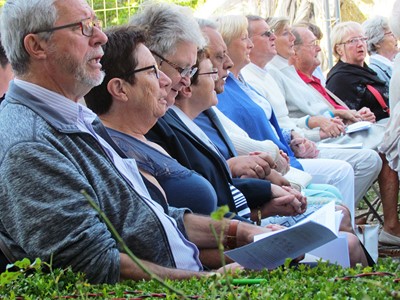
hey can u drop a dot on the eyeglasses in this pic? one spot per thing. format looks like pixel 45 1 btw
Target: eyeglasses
pixel 188 71
pixel 268 33
pixel 355 41
pixel 154 67
pixel 314 43
pixel 87 26
pixel 389 33
pixel 213 74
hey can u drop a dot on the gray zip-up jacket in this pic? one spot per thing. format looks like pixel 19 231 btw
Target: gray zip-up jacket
pixel 45 162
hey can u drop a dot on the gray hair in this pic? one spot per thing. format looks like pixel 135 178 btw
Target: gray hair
pixel 374 29
pixel 252 18
pixel 203 23
pixel 166 25
pixel 295 31
pixel 19 18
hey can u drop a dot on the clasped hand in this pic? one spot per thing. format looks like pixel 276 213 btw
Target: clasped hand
pixel 331 127
pixel 304 148
pixel 285 201
pixel 254 165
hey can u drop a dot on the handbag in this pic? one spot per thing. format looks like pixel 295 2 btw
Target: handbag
pixel 368 235
pixel 379 98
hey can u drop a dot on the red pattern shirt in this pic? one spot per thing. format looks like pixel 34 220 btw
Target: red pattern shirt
pixel 316 83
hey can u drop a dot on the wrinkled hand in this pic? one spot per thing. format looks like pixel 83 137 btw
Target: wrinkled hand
pixel 275 227
pixel 332 127
pixel 251 166
pixel 299 196
pixel 266 156
pixel 304 148
pixel 349 116
pixel 282 163
pixel 367 115
pixel 285 202
pixel 231 268
pixel 276 178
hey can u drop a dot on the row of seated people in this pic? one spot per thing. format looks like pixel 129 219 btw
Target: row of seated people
pixel 182 138
pixel 129 118
pixel 142 85
pixel 53 148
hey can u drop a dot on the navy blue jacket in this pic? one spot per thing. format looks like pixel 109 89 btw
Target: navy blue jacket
pixel 177 139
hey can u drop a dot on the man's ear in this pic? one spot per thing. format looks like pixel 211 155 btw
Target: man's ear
pixel 186 91
pixel 35 46
pixel 117 89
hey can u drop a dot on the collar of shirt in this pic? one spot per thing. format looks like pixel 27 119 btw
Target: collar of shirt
pixel 69 108
pixel 307 79
pixel 382 59
pixel 280 62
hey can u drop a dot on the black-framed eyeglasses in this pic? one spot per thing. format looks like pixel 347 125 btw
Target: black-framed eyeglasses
pixel 213 74
pixel 188 71
pixel 87 26
pixel 354 41
pixel 154 67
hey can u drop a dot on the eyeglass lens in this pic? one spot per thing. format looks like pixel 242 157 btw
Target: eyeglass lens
pixel 88 26
pixel 213 74
pixel 356 40
pixel 268 33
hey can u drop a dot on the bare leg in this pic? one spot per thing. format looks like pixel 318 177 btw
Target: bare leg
pixel 345 225
pixel 389 188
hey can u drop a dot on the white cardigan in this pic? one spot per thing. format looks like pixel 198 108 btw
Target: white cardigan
pixel 263 80
pixel 241 140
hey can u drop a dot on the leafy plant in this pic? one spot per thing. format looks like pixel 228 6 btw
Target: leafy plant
pixel 324 281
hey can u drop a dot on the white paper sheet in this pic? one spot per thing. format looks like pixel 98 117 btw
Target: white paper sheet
pixel 272 251
pixel 358 126
pixel 339 146
pixel 317 232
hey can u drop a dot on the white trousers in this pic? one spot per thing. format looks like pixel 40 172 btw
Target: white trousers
pixel 366 164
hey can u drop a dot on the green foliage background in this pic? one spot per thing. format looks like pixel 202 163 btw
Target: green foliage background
pixel 115 12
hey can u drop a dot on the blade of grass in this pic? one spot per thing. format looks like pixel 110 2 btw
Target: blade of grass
pixel 126 248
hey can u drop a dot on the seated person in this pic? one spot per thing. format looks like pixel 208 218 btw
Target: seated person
pixel 174 137
pixel 390 234
pixel 381 45
pixel 128 121
pixel 320 100
pixel 351 79
pixel 284 84
pixel 61 148
pixel 237 103
pixel 212 122
pixel 6 73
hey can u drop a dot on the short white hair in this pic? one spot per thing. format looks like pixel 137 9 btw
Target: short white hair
pixel 374 29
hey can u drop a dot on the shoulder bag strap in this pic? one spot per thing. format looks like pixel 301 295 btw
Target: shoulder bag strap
pixel 379 98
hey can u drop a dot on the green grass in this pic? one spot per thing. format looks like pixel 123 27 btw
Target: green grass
pixel 320 282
